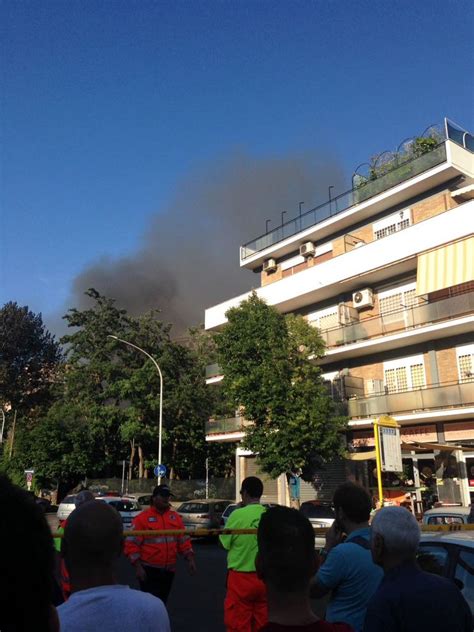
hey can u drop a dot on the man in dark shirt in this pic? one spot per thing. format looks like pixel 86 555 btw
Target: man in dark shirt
pixel 409 599
pixel 286 561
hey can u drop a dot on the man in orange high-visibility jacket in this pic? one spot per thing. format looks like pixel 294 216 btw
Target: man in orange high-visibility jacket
pixel 155 558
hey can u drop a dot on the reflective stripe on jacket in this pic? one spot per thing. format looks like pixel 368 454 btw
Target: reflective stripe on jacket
pixel 160 551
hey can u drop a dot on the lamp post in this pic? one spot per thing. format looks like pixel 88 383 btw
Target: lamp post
pixel 160 427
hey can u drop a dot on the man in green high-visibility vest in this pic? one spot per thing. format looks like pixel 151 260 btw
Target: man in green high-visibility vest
pixel 245 605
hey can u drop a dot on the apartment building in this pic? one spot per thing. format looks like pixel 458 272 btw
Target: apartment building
pixel 386 272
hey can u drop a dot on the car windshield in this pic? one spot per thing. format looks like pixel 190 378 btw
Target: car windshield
pixel 69 500
pixel 194 508
pixel 317 511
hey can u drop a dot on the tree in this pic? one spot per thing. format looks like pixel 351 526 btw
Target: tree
pixel 118 390
pixel 268 373
pixel 29 358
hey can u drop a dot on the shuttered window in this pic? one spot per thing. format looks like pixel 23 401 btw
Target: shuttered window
pixel 465 356
pixel 392 224
pixel 404 374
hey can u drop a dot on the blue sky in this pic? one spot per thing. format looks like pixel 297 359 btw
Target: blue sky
pixel 108 106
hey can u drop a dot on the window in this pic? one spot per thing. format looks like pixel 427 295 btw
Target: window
pixel 392 224
pixel 192 508
pixel 395 302
pixel 325 318
pixel 464 575
pixel 445 520
pixel 404 374
pixel 465 356
pixel 432 558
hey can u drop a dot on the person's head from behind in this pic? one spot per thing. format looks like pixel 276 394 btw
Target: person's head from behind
pixel 84 496
pixel 26 563
pixel 286 559
pixel 352 506
pixel 395 537
pixel 251 489
pixel 92 544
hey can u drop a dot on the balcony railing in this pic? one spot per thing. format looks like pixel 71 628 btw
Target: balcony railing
pixel 450 395
pixel 343 202
pixel 402 320
pixel 226 425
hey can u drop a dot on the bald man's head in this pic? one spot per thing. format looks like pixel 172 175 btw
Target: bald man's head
pixel 93 537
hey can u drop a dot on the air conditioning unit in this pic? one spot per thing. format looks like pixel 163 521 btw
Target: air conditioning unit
pixel 308 249
pixel 269 265
pixel 363 298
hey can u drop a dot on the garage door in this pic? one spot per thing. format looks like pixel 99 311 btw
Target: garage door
pixel 327 479
pixel 270 485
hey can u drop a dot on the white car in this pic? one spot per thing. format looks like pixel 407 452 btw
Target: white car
pixel 66 507
pixel 450 554
pixel 127 508
pixel 446 515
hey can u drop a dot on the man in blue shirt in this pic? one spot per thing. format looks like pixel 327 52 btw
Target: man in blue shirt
pixel 347 571
pixel 409 599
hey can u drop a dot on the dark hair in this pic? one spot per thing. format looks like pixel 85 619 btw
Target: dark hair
pixel 26 562
pixel 354 501
pixel 253 486
pixel 286 549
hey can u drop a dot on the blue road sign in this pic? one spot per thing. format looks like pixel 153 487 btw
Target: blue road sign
pixel 160 470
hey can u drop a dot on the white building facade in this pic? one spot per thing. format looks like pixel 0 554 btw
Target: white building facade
pixel 386 272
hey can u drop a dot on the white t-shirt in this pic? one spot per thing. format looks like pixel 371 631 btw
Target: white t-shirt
pixel 113 609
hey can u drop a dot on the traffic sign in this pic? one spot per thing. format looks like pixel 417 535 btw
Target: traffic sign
pixel 160 471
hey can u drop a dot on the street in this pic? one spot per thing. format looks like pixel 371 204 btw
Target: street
pixel 195 603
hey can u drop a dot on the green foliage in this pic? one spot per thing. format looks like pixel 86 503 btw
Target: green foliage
pixel 266 359
pixel 29 358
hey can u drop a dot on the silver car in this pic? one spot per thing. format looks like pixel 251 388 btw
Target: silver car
pixel 126 507
pixel 202 514
pixel 320 514
pixel 447 515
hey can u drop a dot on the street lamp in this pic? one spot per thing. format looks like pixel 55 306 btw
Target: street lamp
pixel 130 344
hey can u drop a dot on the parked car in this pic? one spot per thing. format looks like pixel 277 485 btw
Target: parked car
pixel 202 514
pixel 66 507
pixel 142 500
pixel 320 514
pixel 126 507
pixel 446 515
pixel 450 554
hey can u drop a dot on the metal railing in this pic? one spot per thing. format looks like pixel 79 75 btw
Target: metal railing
pixel 438 396
pixel 402 320
pixel 226 425
pixel 343 202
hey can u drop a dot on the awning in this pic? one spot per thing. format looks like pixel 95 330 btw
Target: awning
pixel 409 446
pixel 445 267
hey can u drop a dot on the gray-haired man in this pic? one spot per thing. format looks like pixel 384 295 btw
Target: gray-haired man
pixel 409 599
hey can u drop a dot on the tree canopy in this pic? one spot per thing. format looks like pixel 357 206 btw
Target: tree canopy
pixel 268 373
pixel 29 357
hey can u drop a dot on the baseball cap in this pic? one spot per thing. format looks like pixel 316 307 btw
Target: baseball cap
pixel 162 490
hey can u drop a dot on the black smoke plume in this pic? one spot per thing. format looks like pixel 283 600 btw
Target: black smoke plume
pixel 189 257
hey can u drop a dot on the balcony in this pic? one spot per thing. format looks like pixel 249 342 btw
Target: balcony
pixel 344 201
pixel 374 262
pixel 226 425
pixel 440 396
pixel 403 320
pixel 407 178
